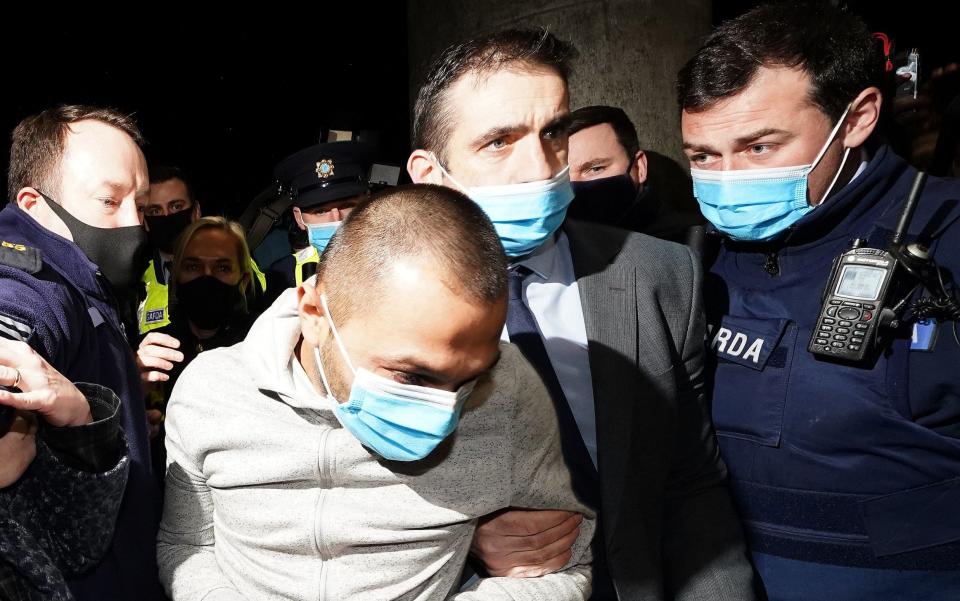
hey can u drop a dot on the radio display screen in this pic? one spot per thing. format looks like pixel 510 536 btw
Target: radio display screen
pixel 861 282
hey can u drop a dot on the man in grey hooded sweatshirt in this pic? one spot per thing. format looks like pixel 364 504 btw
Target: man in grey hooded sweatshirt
pixel 347 447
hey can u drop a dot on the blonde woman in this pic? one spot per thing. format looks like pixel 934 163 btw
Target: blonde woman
pixel 211 279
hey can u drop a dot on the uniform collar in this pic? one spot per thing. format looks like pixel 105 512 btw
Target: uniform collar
pixel 62 255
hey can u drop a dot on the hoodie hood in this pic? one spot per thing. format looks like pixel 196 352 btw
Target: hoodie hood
pixel 268 351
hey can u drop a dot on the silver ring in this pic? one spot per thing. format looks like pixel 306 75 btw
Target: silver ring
pixel 17 381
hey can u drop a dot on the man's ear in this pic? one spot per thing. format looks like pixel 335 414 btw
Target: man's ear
pixel 862 118
pixel 29 200
pixel 313 321
pixel 639 169
pixel 423 169
pixel 298 217
pixel 196 211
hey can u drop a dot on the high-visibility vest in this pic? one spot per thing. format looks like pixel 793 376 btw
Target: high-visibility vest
pixel 154 311
pixel 303 257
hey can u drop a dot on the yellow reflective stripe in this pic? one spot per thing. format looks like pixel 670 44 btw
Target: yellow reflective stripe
pixel 154 311
pixel 314 257
pixel 258 274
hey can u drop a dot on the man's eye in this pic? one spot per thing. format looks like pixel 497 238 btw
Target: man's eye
pixel 408 378
pixel 177 207
pixel 497 144
pixel 554 133
pixel 760 148
pixel 598 168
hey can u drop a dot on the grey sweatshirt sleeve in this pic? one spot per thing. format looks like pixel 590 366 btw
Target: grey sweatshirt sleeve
pixel 540 481
pixel 185 543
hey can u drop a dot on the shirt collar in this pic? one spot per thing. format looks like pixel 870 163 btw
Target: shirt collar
pixel 541 261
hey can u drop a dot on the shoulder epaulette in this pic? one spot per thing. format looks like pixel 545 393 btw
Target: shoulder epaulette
pixel 20 256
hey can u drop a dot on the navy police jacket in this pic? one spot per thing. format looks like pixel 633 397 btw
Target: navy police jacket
pixel 53 298
pixel 852 467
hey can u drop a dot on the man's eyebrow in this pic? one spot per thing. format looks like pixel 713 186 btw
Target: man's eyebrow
pixel 700 147
pixel 740 141
pixel 413 366
pixel 561 122
pixel 499 131
pixel 760 133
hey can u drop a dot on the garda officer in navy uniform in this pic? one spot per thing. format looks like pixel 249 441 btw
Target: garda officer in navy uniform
pixel 324 182
pixel 847 474
pixel 75 173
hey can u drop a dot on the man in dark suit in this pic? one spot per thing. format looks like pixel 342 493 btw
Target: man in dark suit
pixel 612 321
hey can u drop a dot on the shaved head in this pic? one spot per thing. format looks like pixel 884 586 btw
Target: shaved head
pixel 421 224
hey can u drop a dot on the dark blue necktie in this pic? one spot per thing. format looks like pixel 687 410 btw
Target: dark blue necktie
pixel 524 332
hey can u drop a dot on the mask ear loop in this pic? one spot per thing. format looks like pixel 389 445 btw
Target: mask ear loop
pixel 823 151
pixel 323 374
pixel 336 334
pixel 843 162
pixel 446 173
pixel 343 350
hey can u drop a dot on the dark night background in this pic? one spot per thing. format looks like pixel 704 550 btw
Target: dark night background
pixel 223 97
pixel 226 97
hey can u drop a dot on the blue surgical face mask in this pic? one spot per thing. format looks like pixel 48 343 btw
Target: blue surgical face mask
pixel 524 215
pixel 759 204
pixel 319 234
pixel 400 422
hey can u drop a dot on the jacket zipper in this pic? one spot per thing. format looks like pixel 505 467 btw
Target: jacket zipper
pixel 803 534
pixel 325 479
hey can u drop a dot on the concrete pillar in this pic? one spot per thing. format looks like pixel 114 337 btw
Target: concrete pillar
pixel 630 52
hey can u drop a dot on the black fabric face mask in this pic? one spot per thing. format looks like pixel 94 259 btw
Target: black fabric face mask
pixel 164 229
pixel 606 200
pixel 207 302
pixel 119 252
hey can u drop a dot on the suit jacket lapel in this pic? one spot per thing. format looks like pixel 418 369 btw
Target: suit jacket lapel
pixel 608 296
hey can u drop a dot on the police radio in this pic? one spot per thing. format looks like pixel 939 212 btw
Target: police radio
pixel 859 306
pixel 854 305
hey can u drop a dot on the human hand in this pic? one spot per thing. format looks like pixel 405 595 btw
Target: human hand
pixel 525 543
pixel 154 419
pixel 42 388
pixel 157 354
pixel 18 447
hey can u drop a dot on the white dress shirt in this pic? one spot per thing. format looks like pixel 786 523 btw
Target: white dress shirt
pixel 552 295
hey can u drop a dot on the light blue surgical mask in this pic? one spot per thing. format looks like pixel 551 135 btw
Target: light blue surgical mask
pixel 524 215
pixel 759 204
pixel 319 234
pixel 400 422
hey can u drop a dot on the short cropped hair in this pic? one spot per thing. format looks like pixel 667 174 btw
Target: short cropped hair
pixel 38 143
pixel 417 220
pixel 165 173
pixel 618 120
pixel 532 48
pixel 832 45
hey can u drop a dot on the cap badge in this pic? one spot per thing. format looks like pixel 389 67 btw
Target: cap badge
pixel 324 168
